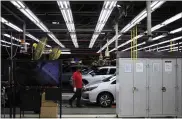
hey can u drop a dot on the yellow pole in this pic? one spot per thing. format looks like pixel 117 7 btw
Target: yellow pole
pixel 171 45
pixel 136 42
pixel 131 44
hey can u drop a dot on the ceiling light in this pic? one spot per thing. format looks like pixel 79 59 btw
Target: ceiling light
pixel 65 53
pixel 166 46
pixel 7 35
pixel 174 39
pixel 172 19
pixel 168 49
pixel 104 15
pixel 5 45
pixel 27 12
pixel 65 9
pixel 155 28
pixel 9 43
pixel 11 25
pixel 158 37
pixel 134 46
pixel 176 30
pixel 156 5
pixel 136 20
pixel 18 29
pixel 32 37
pixel 137 37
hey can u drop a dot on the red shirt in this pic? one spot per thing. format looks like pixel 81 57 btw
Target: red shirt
pixel 77 76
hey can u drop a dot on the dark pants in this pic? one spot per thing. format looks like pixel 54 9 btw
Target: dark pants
pixel 77 95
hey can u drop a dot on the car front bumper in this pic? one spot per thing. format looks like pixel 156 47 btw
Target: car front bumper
pixel 89 96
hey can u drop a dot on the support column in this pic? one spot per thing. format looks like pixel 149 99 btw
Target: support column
pixel 116 32
pixel 149 20
pixel 24 37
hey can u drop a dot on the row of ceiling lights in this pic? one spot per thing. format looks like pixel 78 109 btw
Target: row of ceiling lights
pixel 154 5
pixel 105 13
pixel 156 27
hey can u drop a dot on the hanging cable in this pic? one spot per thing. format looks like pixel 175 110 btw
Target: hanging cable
pixel 16 49
pixel 7 49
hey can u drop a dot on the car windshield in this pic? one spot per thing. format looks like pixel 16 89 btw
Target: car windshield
pixel 85 71
pixel 108 78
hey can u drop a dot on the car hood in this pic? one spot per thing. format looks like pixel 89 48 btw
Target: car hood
pixel 86 76
pixel 94 83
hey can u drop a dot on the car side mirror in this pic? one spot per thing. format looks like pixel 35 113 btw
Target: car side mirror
pixel 93 74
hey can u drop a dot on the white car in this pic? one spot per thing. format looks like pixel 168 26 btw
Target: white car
pixel 100 74
pixel 101 92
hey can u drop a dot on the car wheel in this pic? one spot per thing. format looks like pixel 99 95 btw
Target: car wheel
pixel 105 100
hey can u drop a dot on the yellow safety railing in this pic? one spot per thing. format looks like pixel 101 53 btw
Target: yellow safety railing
pixel 134 39
pixel 171 46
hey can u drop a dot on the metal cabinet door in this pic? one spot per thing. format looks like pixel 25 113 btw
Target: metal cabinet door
pixel 179 89
pixel 139 88
pixel 125 80
pixel 169 84
pixel 155 84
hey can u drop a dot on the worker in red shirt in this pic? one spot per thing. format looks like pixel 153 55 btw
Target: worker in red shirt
pixel 77 84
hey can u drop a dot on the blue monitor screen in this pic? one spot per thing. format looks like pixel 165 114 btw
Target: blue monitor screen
pixel 38 73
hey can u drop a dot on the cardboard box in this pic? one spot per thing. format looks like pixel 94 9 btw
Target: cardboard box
pixel 46 103
pixel 49 112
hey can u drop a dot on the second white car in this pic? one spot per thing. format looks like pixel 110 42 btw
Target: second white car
pixel 101 92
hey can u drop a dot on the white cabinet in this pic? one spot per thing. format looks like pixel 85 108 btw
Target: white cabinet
pixel 149 87
pixel 155 86
pixel 139 87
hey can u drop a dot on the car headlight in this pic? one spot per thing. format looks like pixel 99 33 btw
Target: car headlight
pixel 90 88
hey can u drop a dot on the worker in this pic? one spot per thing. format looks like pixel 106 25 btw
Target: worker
pixel 77 87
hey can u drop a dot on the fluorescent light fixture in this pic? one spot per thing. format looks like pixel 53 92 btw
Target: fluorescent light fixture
pixel 168 21
pixel 18 29
pixel 134 46
pixel 136 20
pixel 18 4
pixel 156 5
pixel 5 45
pixel 51 35
pixel 158 37
pixel 27 12
pixel 137 37
pixel 32 37
pixel 3 20
pixel 104 15
pixel 65 9
pixel 7 35
pixel 176 30
pixel 9 43
pixel 166 46
pixel 174 39
pixel 157 27
pixel 173 49
pixel 65 53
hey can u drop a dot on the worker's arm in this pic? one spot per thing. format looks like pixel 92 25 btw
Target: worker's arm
pixel 74 83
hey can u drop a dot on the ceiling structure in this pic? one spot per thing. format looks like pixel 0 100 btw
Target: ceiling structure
pixel 85 17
